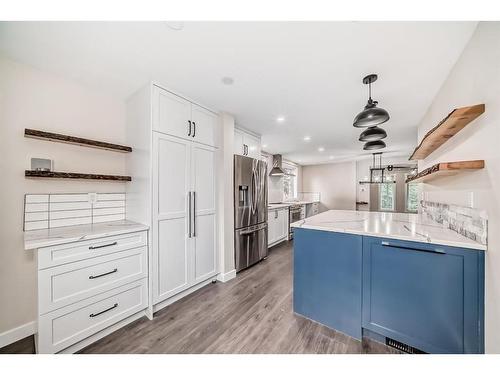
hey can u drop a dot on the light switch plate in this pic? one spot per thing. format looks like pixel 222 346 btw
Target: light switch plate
pixel 92 198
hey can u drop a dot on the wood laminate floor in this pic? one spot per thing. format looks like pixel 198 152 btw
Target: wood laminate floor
pixel 249 314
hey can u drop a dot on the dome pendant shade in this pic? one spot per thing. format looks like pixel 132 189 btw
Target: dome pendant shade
pixel 374 145
pixel 371 116
pixel 372 134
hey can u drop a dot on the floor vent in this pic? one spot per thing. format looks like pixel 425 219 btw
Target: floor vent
pixel 403 347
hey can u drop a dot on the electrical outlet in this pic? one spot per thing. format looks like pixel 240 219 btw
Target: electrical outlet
pixel 92 198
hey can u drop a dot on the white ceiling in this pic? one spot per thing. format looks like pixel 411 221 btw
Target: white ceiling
pixel 308 72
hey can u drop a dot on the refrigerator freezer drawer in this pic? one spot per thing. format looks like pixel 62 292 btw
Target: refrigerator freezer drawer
pixel 250 245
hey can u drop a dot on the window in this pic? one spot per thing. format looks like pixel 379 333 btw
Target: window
pixel 412 197
pixel 289 182
pixel 387 196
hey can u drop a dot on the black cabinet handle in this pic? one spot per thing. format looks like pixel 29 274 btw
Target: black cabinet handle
pixel 103 274
pixel 194 129
pixel 103 311
pixel 189 129
pixel 433 251
pixel 101 246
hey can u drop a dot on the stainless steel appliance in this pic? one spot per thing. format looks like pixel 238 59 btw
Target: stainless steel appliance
pixel 297 212
pixel 250 211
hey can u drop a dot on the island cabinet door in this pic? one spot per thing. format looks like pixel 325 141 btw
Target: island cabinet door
pixel 430 297
pixel 327 279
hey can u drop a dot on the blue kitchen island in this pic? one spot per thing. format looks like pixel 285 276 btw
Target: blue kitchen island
pixel 391 276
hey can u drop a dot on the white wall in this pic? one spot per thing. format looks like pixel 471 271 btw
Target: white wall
pixel 336 182
pixel 474 79
pixel 31 98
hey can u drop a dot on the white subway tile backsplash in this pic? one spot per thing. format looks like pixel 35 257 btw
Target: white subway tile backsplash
pixel 69 214
pixel 37 198
pixel 55 198
pixel 34 225
pixel 70 221
pixel 45 211
pixel 111 197
pixel 109 211
pixel 64 206
pixel 36 216
pixel 105 218
pixel 108 204
pixel 36 207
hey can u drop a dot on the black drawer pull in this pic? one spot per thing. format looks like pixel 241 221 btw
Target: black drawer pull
pixel 103 274
pixel 435 251
pixel 101 246
pixel 103 311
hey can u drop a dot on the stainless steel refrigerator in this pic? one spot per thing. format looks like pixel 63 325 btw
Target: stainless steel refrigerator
pixel 250 211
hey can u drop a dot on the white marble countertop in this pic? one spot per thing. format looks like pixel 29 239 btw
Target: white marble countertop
pixel 35 239
pixel 401 226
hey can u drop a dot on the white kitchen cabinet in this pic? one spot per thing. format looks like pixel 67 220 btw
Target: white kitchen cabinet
pixel 246 144
pixel 204 208
pixel 277 226
pixel 86 287
pixel 176 195
pixel 174 115
pixel 171 186
pixel 204 125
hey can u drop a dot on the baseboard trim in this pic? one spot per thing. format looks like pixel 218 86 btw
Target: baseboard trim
pixel 16 334
pixel 225 277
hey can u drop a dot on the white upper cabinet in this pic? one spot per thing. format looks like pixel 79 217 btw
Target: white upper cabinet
pixel 171 114
pixel 204 124
pixel 239 148
pixel 246 144
pixel 181 118
pixel 253 146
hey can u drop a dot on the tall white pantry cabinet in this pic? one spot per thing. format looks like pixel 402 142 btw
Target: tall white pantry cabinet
pixel 173 189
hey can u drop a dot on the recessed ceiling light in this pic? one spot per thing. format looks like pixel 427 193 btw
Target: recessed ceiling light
pixel 280 119
pixel 321 149
pixel 307 138
pixel 264 146
pixel 227 80
pixel 330 157
pixel 175 25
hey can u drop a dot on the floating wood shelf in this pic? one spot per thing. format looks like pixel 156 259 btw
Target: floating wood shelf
pixel 81 176
pixel 447 128
pixel 446 169
pixel 362 203
pixel 54 137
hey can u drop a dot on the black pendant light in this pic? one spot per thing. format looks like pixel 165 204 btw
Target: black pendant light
pixel 374 145
pixel 371 115
pixel 372 134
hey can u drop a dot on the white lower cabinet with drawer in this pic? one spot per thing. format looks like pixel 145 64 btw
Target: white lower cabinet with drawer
pixel 88 288
pixel 59 329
